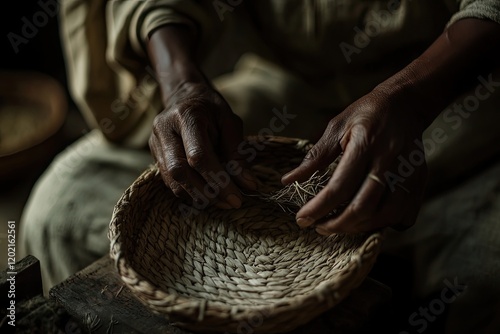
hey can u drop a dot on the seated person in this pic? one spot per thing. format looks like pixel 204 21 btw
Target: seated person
pixel 379 81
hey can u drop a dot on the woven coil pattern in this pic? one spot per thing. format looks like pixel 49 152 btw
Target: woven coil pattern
pixel 218 269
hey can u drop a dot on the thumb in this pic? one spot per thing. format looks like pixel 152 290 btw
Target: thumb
pixel 320 156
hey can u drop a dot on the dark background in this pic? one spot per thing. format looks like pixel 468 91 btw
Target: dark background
pixel 41 54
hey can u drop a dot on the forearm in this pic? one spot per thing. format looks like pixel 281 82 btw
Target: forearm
pixel 451 64
pixel 171 53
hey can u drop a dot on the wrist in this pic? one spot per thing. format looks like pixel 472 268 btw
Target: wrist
pixel 426 92
pixel 170 50
pixel 447 68
pixel 171 79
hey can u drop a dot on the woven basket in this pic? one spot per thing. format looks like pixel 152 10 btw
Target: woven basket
pixel 230 270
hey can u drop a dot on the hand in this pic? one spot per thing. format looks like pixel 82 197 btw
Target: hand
pixel 375 134
pixel 382 172
pixel 194 141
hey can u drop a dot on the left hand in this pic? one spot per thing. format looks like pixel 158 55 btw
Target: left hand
pixel 375 134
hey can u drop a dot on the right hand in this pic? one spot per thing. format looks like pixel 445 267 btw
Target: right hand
pixel 195 143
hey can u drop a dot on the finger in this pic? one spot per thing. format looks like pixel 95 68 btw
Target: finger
pixel 399 208
pixel 180 177
pixel 326 150
pixel 365 204
pixel 343 185
pixel 367 200
pixel 154 146
pixel 179 191
pixel 202 158
pixel 391 211
pixel 231 137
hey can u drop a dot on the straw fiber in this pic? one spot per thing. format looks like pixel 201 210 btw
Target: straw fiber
pixel 224 270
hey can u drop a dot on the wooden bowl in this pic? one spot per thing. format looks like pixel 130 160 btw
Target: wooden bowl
pixel 33 108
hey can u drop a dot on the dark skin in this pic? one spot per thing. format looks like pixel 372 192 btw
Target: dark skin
pixel 197 133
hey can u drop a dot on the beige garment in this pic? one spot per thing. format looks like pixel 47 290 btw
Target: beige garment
pixel 114 86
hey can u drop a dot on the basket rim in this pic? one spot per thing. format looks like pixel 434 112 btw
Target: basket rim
pixel 362 256
pixel 328 293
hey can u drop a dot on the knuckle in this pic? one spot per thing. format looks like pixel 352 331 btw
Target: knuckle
pixel 196 158
pixel 158 123
pixel 177 189
pixel 333 124
pixel 335 128
pixel 359 211
pixel 361 136
pixel 329 193
pixel 189 118
pixel 161 124
pixel 177 171
pixel 335 189
pixel 314 153
pixel 323 151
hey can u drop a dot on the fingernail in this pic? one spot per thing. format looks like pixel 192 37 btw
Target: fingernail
pixel 234 201
pixel 250 180
pixel 223 205
pixel 284 176
pixel 322 231
pixel 305 221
